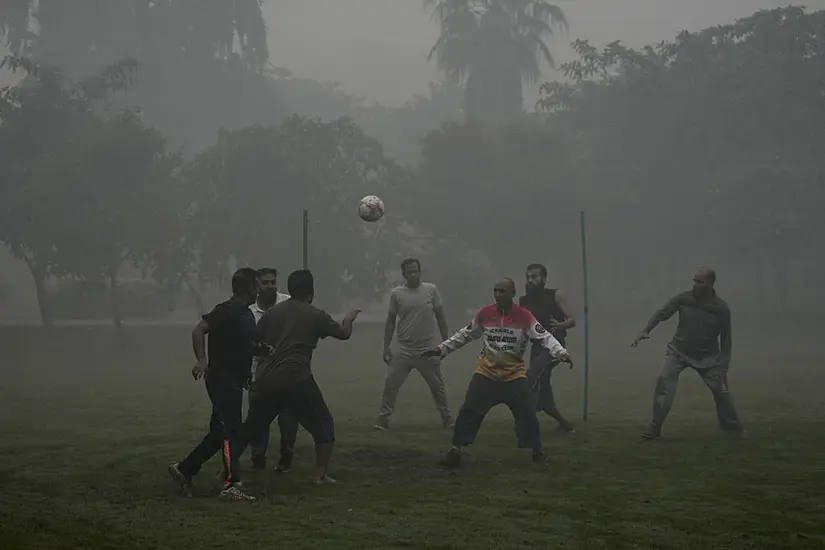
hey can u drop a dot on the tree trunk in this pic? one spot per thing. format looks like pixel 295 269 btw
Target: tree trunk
pixel 39 277
pixel 196 295
pixel 114 302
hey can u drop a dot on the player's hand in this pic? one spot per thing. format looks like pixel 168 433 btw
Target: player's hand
pixel 639 338
pixel 352 315
pixel 435 352
pixel 554 327
pixel 565 358
pixel 199 370
pixel 387 355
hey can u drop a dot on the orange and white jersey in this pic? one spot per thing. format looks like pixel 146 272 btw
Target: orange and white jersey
pixel 505 337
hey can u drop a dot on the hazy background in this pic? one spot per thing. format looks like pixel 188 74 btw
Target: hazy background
pixel 378 48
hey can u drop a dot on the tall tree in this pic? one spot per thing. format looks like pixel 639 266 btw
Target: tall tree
pixel 251 187
pixel 40 119
pixel 202 61
pixel 492 47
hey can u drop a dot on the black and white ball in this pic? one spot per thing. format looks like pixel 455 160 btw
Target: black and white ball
pixel 371 208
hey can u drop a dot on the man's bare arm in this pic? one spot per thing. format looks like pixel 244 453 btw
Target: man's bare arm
pixel 569 319
pixel 343 330
pixel 199 340
pixel 441 319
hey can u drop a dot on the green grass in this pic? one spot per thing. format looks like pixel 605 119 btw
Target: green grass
pixel 88 430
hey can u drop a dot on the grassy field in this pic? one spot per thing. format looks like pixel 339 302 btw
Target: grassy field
pixel 88 430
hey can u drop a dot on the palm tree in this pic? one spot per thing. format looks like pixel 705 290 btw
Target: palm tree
pixel 493 47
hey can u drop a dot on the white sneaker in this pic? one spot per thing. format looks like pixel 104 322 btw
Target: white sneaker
pixel 234 493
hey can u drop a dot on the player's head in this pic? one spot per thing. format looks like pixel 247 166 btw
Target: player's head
pixel 504 291
pixel 267 286
pixel 703 281
pixel 536 277
pixel 301 285
pixel 245 285
pixel 411 271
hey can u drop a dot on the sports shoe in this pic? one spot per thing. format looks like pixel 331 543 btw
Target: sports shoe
pixel 180 478
pixel 235 493
pixel 568 429
pixel 381 425
pixel 284 464
pixel 538 456
pixel 452 459
pixel 259 464
pixel 654 432
pixel 324 480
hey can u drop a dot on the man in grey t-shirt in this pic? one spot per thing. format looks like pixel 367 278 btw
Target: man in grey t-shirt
pixel 414 308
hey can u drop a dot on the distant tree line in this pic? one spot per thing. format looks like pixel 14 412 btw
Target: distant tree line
pixel 703 149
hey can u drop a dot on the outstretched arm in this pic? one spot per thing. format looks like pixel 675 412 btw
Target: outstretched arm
pixel 458 340
pixel 663 314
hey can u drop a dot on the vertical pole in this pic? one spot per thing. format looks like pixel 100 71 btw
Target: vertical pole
pixel 306 238
pixel 586 316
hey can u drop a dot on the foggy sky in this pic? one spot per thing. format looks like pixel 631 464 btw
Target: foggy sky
pixel 378 48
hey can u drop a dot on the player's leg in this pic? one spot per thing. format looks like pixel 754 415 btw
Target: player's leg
pixel 259 442
pixel 398 370
pixel 541 388
pixel 229 405
pixel 430 370
pixel 288 425
pixel 307 404
pixel 183 471
pixel 521 405
pixel 665 393
pixel 482 395
pixel 716 379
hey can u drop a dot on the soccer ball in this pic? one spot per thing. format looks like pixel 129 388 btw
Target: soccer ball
pixel 371 208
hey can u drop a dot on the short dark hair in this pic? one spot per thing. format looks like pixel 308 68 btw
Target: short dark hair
pixel 711 274
pixel 540 267
pixel 244 281
pixel 301 284
pixel 408 262
pixel 264 271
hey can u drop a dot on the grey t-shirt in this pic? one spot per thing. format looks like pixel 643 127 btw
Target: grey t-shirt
pixel 415 308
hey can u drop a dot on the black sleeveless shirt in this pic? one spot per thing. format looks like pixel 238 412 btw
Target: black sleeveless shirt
pixel 542 304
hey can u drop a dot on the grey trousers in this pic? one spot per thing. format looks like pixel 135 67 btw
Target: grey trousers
pixel 714 377
pixel 399 368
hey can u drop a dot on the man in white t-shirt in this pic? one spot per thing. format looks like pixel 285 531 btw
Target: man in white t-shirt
pixel 269 297
pixel 414 310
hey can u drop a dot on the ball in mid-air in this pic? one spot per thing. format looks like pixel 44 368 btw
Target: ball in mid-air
pixel 371 208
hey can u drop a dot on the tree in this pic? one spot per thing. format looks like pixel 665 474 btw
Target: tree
pixel 202 60
pixel 40 118
pixel 251 187
pixel 492 46
pixel 724 123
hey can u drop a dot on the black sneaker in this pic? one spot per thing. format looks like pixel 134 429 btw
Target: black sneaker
pixel 180 478
pixel 538 456
pixel 452 459
pixel 259 464
pixel 284 464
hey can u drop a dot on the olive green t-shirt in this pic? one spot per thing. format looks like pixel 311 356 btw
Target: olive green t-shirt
pixel 293 329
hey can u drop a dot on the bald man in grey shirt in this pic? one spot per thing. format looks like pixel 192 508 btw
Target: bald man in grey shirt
pixel 414 310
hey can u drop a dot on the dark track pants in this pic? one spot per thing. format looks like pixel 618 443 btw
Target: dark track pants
pixel 224 430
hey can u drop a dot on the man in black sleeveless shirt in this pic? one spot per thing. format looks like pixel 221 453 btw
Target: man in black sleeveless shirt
pixel 549 307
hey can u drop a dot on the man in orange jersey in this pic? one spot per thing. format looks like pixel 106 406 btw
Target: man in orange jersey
pixel 500 378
